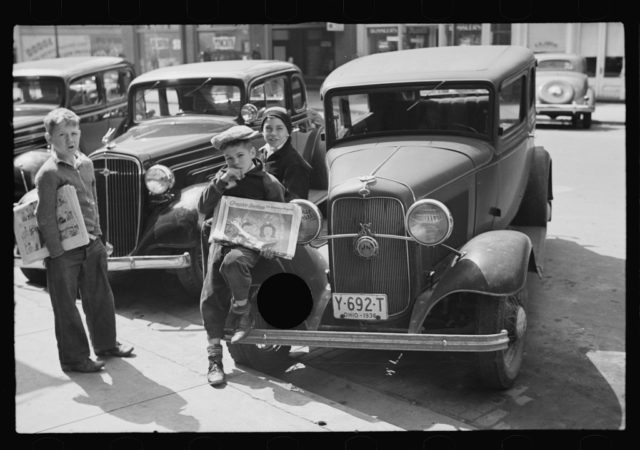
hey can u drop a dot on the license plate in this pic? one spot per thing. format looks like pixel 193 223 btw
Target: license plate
pixel 360 306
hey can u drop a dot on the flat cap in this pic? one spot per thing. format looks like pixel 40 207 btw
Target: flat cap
pixel 235 133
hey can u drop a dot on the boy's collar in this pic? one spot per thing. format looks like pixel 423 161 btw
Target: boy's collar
pixel 57 159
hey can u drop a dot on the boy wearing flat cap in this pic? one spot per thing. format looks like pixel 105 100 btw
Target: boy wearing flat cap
pixel 228 278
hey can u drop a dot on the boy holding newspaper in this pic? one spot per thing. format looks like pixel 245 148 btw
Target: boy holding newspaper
pixel 82 268
pixel 228 278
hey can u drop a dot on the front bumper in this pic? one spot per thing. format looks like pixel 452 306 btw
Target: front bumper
pixel 130 262
pixel 381 341
pixel 572 108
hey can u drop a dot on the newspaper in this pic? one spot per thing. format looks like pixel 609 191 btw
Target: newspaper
pixel 258 224
pixel 73 232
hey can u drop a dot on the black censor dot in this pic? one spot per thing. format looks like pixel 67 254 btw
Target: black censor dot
pixel 284 300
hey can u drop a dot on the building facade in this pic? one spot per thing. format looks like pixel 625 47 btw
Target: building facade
pixel 319 47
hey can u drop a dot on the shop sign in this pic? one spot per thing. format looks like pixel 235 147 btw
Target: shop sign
pixel 335 26
pixel 383 30
pixel 545 46
pixel 44 46
pixel 468 27
pixel 224 42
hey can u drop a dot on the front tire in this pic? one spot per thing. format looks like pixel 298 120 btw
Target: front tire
pixel 499 370
pixel 263 357
pixel 586 121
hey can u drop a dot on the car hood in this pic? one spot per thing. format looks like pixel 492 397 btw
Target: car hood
pixel 422 166
pixel 165 137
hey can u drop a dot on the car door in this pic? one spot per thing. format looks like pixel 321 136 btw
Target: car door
pixel 87 100
pixel 116 82
pixel 514 147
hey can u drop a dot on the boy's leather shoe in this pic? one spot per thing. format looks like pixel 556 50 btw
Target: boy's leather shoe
pixel 84 366
pixel 215 374
pixel 120 350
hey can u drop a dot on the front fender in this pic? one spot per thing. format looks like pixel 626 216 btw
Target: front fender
pixel 308 264
pixel 177 225
pixel 494 263
pixel 25 168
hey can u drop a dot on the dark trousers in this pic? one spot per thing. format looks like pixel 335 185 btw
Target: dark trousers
pixel 84 269
pixel 228 275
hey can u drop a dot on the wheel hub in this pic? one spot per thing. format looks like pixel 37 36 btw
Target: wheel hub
pixel 520 323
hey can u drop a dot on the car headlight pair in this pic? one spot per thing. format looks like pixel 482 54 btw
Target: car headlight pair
pixel 159 179
pixel 428 221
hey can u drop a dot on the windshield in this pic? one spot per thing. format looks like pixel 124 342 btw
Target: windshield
pixel 31 93
pixel 186 98
pixel 420 109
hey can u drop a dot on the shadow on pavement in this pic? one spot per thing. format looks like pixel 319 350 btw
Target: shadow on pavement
pixel 130 382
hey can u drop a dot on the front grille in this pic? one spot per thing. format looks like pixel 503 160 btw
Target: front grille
pixel 119 187
pixel 387 273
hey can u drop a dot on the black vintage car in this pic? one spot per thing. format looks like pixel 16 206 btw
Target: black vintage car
pixel 438 201
pixel 94 87
pixel 157 162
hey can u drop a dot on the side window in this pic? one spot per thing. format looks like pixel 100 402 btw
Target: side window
pixel 116 83
pixel 274 90
pixel 297 94
pixel 269 93
pixel 84 93
pixel 511 104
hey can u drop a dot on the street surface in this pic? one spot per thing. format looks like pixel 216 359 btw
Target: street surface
pixel 574 367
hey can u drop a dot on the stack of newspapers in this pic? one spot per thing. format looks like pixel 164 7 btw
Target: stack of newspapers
pixel 73 232
pixel 258 224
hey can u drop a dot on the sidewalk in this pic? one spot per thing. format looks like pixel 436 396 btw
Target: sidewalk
pixel 163 388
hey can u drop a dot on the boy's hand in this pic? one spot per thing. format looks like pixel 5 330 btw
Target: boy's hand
pixel 267 253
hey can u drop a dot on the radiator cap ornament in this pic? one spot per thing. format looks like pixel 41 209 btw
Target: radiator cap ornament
pixel 365 245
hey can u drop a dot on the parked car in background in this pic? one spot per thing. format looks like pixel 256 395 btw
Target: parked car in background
pixel 438 202
pixel 562 88
pixel 150 174
pixel 94 87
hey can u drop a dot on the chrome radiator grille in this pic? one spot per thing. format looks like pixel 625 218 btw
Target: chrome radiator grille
pixel 119 187
pixel 387 273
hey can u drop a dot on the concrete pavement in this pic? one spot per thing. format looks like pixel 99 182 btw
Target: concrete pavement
pixel 163 388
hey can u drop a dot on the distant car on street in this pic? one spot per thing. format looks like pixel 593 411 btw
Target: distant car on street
pixel 94 87
pixel 562 88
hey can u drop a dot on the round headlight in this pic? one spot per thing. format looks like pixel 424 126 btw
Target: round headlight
pixel 159 179
pixel 310 222
pixel 249 113
pixel 429 222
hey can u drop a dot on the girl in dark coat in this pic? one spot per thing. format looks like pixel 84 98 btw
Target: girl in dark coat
pixel 281 159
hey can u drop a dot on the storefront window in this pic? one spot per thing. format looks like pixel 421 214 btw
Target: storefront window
pixel 221 44
pixel 420 36
pixel 161 46
pixel 500 33
pixel 464 33
pixel 382 39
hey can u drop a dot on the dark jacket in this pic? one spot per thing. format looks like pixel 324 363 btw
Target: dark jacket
pixel 291 169
pixel 256 184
